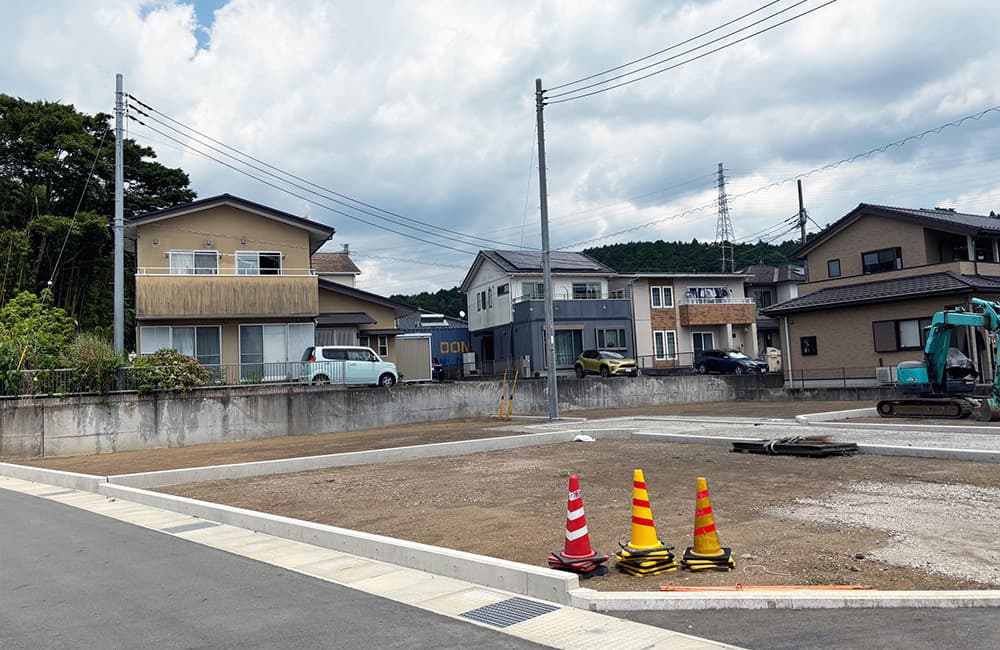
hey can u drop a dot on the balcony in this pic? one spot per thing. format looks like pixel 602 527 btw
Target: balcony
pixel 164 296
pixel 574 310
pixel 717 311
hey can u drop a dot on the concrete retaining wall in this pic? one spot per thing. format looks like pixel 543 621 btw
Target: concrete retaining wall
pixel 49 427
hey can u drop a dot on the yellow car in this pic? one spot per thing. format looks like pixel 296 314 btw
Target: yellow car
pixel 605 363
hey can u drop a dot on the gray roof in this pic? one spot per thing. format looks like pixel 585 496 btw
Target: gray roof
pixel 531 261
pixel 938 218
pixel 933 284
pixel 346 318
pixel 766 274
pixel 412 321
pixel 400 308
pixel 339 262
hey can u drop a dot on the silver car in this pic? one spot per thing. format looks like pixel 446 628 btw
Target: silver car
pixel 347 364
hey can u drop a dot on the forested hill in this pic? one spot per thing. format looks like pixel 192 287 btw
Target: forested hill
pixel 695 256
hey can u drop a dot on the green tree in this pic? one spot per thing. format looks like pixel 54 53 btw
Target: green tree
pixel 36 330
pixel 442 301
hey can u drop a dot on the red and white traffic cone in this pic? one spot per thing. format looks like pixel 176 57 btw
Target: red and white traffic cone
pixel 577 555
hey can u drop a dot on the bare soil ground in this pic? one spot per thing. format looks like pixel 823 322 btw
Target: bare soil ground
pixel 512 504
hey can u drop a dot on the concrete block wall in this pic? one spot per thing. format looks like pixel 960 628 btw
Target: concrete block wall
pixel 47 427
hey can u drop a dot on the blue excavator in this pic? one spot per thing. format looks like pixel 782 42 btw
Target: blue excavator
pixel 943 385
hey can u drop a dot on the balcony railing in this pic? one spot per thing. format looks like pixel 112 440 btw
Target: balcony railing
pixel 267 273
pixel 716 301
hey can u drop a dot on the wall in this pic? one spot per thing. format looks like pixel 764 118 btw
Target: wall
pixel 31 428
pixel 866 234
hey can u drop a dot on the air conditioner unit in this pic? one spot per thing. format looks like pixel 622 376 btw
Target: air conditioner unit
pixel 885 375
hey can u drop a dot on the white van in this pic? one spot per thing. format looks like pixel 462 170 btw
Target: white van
pixel 347 364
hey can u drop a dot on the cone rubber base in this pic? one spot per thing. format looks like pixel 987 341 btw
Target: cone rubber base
pixel 639 572
pixel 722 562
pixel 595 557
pixel 585 569
pixel 629 550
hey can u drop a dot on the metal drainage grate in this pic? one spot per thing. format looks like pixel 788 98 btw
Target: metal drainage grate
pixel 508 612
pixel 184 528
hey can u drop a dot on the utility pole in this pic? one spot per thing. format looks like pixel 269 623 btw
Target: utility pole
pixel 802 215
pixel 724 226
pixel 550 328
pixel 119 315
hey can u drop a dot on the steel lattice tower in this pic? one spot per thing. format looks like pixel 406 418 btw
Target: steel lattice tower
pixel 724 229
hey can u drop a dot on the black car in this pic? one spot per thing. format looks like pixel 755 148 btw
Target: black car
pixel 728 361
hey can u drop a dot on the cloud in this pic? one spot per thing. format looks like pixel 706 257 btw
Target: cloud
pixel 427 109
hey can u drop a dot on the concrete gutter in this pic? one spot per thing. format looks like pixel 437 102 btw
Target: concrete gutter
pixel 536 582
pixel 829 416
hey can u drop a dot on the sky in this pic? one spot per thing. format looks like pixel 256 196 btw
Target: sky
pixel 425 111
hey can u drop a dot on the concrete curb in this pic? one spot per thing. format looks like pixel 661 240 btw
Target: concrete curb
pixel 923 428
pixel 636 601
pixel 942 453
pixel 369 457
pixel 836 415
pixel 84 482
pixel 536 582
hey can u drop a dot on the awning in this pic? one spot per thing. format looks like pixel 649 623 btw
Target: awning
pixel 348 318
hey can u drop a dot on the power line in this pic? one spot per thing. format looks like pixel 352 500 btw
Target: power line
pixel 307 199
pixel 685 62
pixel 667 49
pixel 341 198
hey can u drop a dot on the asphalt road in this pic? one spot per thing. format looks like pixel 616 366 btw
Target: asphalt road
pixel 72 579
pixel 845 629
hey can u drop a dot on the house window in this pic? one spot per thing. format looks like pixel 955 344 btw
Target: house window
pixel 611 339
pixel 697 295
pixel 833 268
pixel 586 290
pixel 880 261
pixel 808 346
pixel 762 297
pixel 194 262
pixel 503 290
pixel 907 334
pixel 266 349
pixel 381 344
pixel 258 263
pixel 533 290
pixel 665 345
pixel 489 297
pixel 569 345
pixel 202 343
pixel 661 297
pixel 702 341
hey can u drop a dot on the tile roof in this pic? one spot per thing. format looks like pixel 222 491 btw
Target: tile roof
pixel 412 321
pixel 345 318
pixel 766 274
pixel 937 218
pixel 338 262
pixel 932 284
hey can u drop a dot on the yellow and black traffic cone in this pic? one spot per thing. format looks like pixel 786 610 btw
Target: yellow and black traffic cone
pixel 706 554
pixel 645 554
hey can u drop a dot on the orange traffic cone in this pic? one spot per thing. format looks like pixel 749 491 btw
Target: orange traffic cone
pixel 577 555
pixel 706 554
pixel 645 554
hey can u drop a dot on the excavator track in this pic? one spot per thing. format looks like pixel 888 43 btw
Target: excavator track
pixel 944 407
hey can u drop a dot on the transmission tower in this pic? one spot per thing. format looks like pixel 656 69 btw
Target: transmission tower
pixel 724 229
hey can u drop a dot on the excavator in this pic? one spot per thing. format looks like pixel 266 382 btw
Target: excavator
pixel 943 385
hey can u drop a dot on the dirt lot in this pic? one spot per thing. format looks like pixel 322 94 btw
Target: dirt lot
pixel 857 520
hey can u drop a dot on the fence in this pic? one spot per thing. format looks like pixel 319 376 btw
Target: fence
pixel 69 381
pixel 844 377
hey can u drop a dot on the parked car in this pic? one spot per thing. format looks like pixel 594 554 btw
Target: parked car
pixel 605 363
pixel 725 361
pixel 347 364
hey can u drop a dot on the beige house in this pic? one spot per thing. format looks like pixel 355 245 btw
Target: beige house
pixel 677 315
pixel 875 278
pixel 230 281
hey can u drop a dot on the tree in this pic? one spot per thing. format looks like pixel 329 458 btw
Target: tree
pixel 36 329
pixel 47 150
pixel 442 301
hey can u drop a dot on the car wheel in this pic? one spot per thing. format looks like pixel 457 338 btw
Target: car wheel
pixel 386 381
pixel 701 369
pixel 604 371
pixel 321 379
pixel 579 372
pixel 739 370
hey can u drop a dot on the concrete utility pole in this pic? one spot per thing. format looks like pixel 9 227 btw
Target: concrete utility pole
pixel 550 327
pixel 802 215
pixel 119 316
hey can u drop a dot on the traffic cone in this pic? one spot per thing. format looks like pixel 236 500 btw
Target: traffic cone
pixel 645 554
pixel 706 554
pixel 577 555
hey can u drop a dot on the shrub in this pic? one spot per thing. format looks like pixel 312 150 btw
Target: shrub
pixel 168 370
pixel 40 330
pixel 95 361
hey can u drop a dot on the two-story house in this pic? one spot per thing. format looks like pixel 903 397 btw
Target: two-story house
pixel 769 285
pixel 230 281
pixel 505 297
pixel 677 315
pixel 875 278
